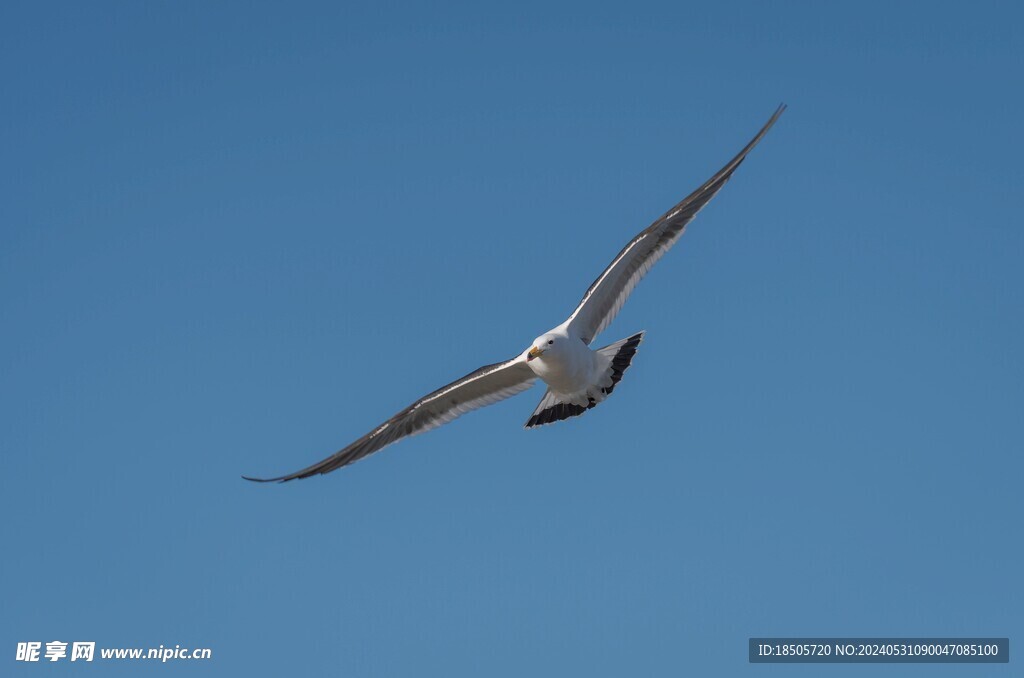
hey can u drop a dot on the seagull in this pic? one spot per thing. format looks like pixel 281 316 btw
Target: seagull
pixel 578 377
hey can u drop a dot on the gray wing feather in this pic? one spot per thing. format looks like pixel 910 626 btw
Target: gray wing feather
pixel 483 387
pixel 608 293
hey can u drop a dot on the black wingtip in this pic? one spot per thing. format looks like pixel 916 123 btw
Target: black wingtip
pixel 264 480
pixel 771 121
pixel 767 126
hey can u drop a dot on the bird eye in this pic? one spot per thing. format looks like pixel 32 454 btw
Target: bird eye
pixel 551 341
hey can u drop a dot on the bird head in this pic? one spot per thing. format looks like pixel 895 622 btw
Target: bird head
pixel 545 344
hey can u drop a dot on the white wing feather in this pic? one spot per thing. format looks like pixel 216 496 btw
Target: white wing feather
pixel 483 387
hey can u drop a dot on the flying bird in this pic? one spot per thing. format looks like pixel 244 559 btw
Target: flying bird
pixel 577 377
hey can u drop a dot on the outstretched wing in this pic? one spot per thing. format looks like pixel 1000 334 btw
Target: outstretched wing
pixel 475 390
pixel 606 295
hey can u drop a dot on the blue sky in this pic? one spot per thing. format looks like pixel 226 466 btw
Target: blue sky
pixel 237 237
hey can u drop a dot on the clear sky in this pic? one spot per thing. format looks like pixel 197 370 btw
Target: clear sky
pixel 237 236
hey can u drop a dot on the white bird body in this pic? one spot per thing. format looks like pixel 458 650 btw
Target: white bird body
pixel 567 365
pixel 578 377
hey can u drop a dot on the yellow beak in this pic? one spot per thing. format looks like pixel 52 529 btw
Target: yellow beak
pixel 534 352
